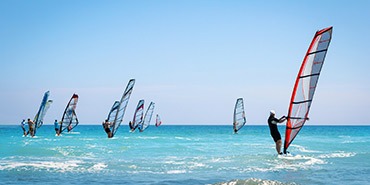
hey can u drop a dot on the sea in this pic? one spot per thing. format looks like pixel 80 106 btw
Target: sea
pixel 175 154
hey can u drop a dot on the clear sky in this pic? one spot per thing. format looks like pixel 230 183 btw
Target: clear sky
pixel 192 58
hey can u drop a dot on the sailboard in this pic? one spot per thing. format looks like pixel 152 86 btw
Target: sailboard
pixel 239 115
pixel 118 109
pixel 147 117
pixel 45 104
pixel 305 84
pixel 158 121
pixel 69 118
pixel 138 115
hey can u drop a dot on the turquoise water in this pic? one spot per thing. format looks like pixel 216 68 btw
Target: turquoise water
pixel 184 155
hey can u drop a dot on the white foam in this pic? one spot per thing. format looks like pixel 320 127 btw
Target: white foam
pixel 97 167
pixel 219 160
pixel 252 181
pixel 298 162
pixel 175 162
pixel 176 171
pixel 340 154
pixel 48 165
pixel 183 138
pixel 147 137
pixel 303 149
pixel 195 165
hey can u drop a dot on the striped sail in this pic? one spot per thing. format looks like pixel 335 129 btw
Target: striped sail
pixel 305 84
pixel 239 115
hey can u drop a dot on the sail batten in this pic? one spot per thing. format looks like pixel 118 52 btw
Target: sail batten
pixel 317 51
pixel 305 84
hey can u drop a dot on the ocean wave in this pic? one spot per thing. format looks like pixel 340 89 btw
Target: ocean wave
pixel 340 154
pixel 176 171
pixel 175 162
pixel 183 138
pixel 147 137
pixel 220 160
pixel 97 167
pixel 303 149
pixel 52 166
pixel 253 181
pixel 196 165
pixel 42 165
pixel 297 162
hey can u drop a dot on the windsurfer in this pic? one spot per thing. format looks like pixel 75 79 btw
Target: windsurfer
pixel 23 123
pixel 235 130
pixel 131 126
pixel 56 126
pixel 272 121
pixel 106 126
pixel 31 126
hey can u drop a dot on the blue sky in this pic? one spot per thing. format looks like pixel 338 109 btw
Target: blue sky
pixel 192 58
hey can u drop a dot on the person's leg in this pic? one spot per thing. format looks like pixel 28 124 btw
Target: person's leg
pixel 278 146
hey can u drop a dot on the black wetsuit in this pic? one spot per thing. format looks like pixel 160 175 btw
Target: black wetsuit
pixel 131 126
pixel 106 128
pixel 273 128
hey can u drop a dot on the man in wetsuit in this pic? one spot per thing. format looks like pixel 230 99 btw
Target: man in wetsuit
pixel 106 126
pixel 272 121
pixel 23 124
pixel 31 126
pixel 131 126
pixel 56 127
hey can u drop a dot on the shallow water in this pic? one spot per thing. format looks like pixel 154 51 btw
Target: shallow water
pixel 184 155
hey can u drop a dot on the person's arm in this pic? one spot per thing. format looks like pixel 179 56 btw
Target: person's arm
pixel 282 119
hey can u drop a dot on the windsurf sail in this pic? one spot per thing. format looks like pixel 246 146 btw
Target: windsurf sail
pixel 147 117
pixel 45 104
pixel 69 118
pixel 43 113
pixel 305 84
pixel 138 116
pixel 158 121
pixel 113 111
pixel 239 115
pixel 118 109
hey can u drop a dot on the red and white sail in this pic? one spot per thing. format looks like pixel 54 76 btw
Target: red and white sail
pixel 305 84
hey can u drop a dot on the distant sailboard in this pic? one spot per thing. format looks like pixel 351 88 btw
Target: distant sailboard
pixel 147 117
pixel 45 104
pixel 158 121
pixel 239 115
pixel 138 115
pixel 69 118
pixel 118 109
pixel 305 84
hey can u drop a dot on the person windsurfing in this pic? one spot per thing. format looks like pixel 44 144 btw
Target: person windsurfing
pixel 23 124
pixel 56 127
pixel 272 122
pixel 106 126
pixel 31 126
pixel 131 126
pixel 235 130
